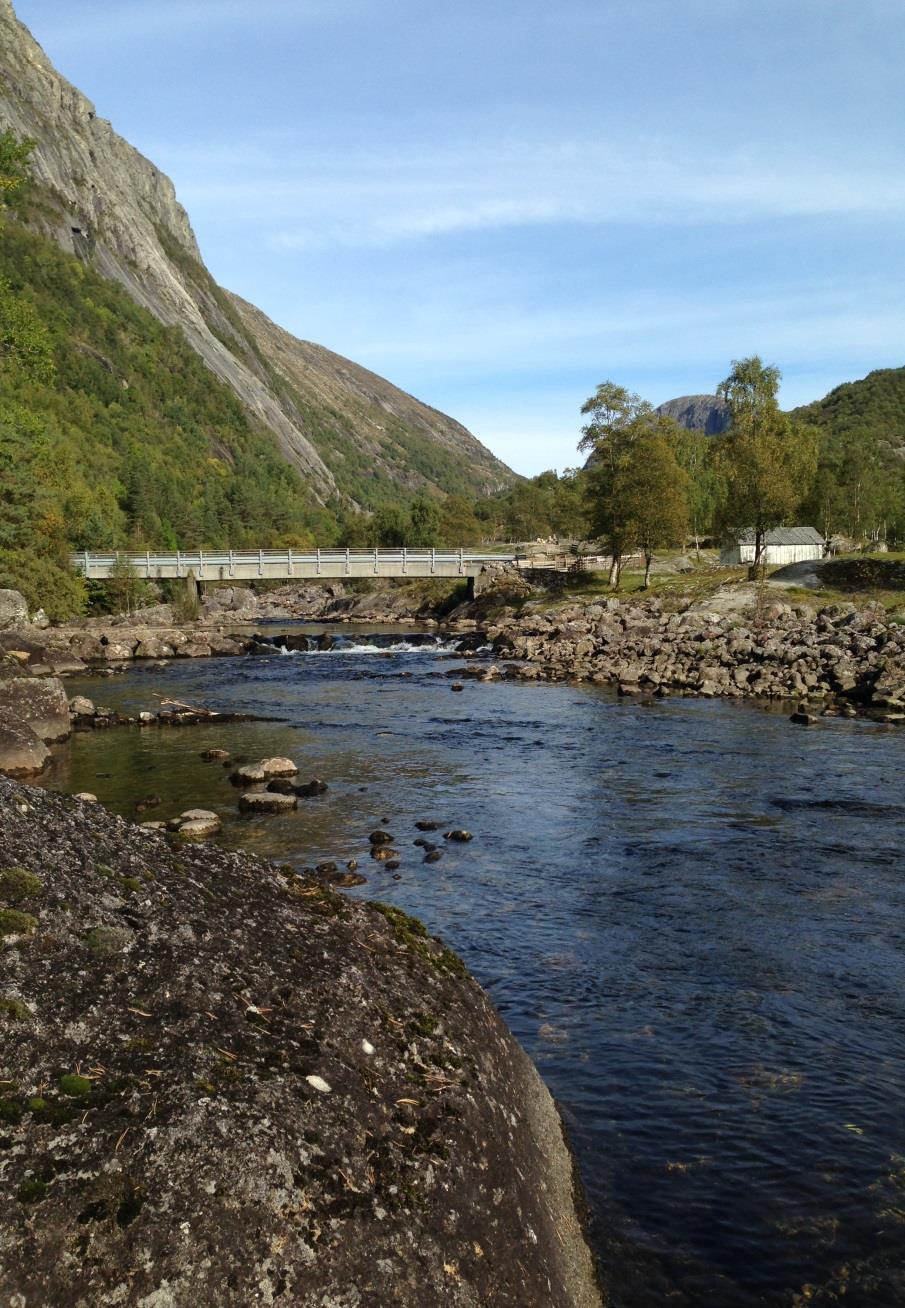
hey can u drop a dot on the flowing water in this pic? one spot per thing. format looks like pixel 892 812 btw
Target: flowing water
pixel 691 914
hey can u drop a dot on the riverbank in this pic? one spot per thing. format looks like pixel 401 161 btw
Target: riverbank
pixel 836 655
pixel 226 1084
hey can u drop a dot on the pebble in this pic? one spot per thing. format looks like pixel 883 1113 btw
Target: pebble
pixel 318 1083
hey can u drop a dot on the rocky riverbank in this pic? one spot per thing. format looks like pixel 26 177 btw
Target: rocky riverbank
pixel 838 654
pixel 224 1084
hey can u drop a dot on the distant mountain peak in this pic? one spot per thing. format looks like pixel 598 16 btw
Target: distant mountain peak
pixel 706 413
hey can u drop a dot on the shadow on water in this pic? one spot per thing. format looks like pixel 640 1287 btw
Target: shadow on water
pixel 691 914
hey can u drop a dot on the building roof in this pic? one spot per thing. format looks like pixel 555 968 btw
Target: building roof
pixel 783 536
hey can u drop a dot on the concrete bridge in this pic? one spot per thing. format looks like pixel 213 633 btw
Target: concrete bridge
pixel 289 564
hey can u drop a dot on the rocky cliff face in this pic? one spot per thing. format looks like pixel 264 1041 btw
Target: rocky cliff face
pixel 706 413
pixel 104 202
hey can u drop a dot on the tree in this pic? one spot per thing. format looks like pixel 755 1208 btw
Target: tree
pixel 14 158
pixel 767 460
pixel 458 524
pixel 426 519
pixel 694 453
pixel 651 491
pixel 390 526
pixel 617 418
pixel 24 340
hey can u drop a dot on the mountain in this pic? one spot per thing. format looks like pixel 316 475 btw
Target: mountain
pixel 354 438
pixel 706 413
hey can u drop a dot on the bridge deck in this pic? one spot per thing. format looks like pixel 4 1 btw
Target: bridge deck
pixel 251 565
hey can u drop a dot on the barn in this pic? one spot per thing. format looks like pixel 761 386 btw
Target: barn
pixel 781 545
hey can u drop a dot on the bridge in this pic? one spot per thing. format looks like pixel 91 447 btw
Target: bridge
pixel 288 564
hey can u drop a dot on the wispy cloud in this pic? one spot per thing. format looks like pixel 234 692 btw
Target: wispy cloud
pixel 130 23
pixel 308 197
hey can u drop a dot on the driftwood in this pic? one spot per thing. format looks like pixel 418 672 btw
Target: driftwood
pixel 187 708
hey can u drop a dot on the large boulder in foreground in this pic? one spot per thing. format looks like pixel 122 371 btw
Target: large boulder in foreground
pixel 13 610
pixel 39 703
pixel 227 1085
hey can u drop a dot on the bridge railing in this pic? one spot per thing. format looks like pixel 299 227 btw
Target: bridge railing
pixel 227 563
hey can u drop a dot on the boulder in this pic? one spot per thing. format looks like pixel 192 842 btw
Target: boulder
pixel 254 1110
pixel 153 647
pixel 13 610
pixel 82 707
pixel 22 752
pixel 279 767
pixel 266 801
pixel 39 703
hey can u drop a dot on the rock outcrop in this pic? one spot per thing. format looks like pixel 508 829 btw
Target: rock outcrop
pixel 107 204
pixel 706 413
pixel 13 610
pixel 227 1085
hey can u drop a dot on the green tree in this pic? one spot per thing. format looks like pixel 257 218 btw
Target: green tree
pixel 766 459
pixel 426 522
pixel 14 159
pixel 616 420
pixel 390 526
pixel 694 453
pixel 458 525
pixel 651 492
pixel 25 343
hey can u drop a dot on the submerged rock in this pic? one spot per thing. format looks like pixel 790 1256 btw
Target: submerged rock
pixel 283 1095
pixel 267 801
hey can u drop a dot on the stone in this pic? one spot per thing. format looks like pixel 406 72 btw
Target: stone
pixel 86 797
pixel 383 853
pixel 82 707
pixel 266 801
pixel 216 755
pixel 153 647
pixel 22 752
pixel 380 838
pixel 460 837
pixel 803 719
pixel 199 828
pixel 40 620
pixel 433 856
pixel 279 767
pixel 249 774
pixel 39 703
pixel 13 610
pixel 311 788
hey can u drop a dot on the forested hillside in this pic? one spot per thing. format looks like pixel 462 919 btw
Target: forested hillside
pixel 859 488
pixel 126 437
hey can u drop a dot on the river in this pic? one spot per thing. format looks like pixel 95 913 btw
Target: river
pixel 691 914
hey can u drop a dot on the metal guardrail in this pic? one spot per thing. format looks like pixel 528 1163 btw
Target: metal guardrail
pixel 224 564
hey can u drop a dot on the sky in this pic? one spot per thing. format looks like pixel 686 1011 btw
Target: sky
pixel 498 205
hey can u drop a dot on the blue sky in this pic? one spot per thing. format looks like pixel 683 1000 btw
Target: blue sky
pixel 499 205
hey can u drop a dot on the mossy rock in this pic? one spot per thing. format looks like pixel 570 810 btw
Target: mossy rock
pixel 105 941
pixel 75 1086
pixel 16 885
pixel 14 1009
pixel 14 923
pixel 414 935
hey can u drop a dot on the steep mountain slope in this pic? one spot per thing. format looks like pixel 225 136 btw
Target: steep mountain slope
pixel 371 434
pixel 103 201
